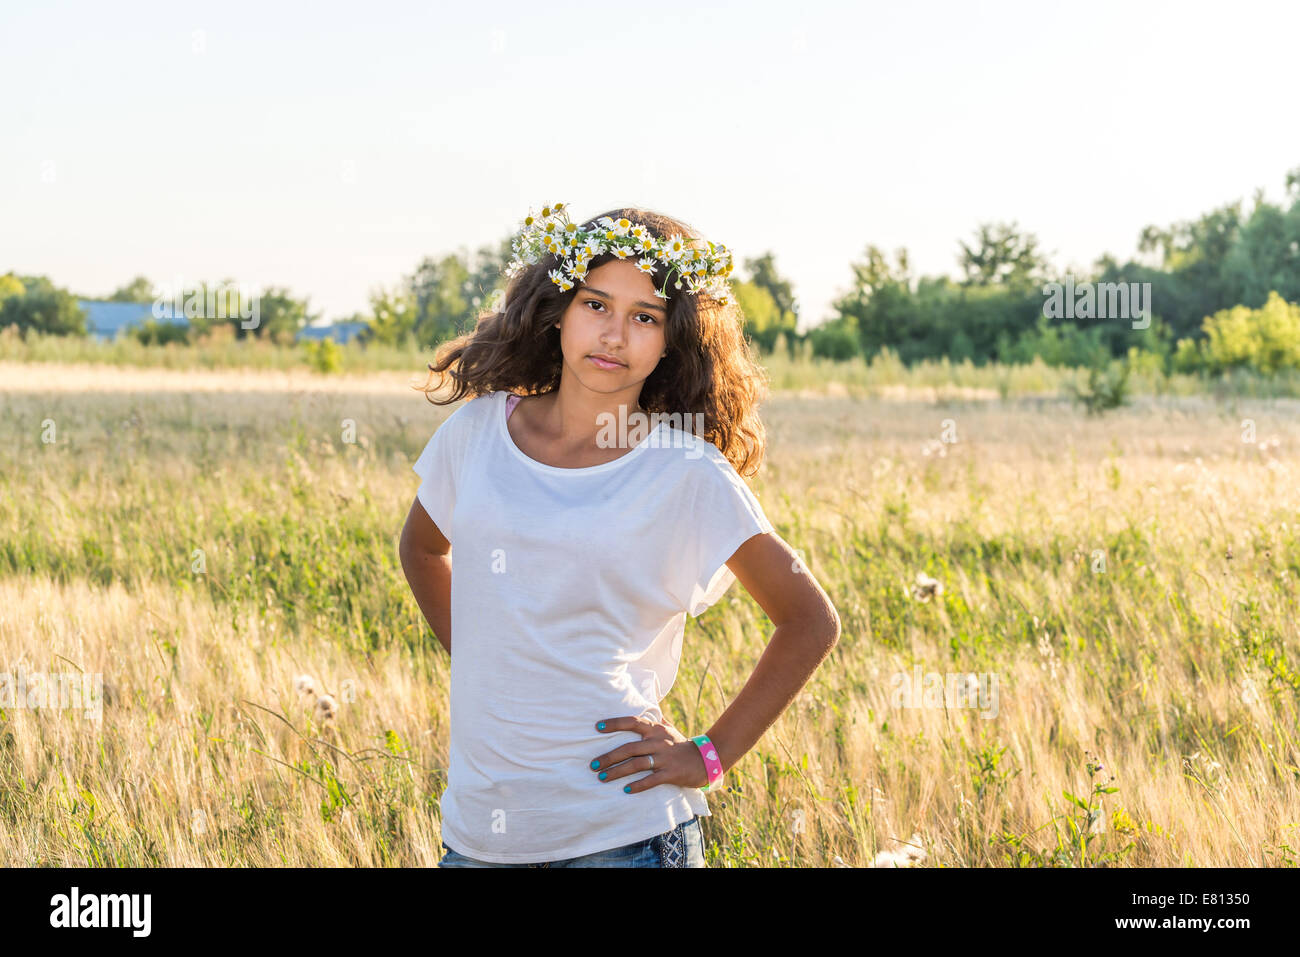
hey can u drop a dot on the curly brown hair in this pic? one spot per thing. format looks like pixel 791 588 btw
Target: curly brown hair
pixel 708 369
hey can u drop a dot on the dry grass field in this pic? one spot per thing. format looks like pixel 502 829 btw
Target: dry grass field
pixel 1126 585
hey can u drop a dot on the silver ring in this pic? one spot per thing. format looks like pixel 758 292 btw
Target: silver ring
pixel 652 759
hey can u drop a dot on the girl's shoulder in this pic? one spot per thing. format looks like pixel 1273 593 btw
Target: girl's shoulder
pixel 477 407
pixel 467 419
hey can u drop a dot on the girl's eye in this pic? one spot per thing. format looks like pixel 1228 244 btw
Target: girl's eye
pixel 597 302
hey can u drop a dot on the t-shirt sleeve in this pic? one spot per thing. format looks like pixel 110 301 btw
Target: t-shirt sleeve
pixel 726 514
pixel 439 468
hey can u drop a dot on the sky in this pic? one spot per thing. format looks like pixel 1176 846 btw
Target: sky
pixel 329 147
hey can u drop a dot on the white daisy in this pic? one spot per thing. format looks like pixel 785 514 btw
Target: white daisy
pixel 676 246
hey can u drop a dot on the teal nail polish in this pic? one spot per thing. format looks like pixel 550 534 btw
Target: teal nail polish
pixel 603 775
pixel 594 765
pixel 627 789
pixel 601 726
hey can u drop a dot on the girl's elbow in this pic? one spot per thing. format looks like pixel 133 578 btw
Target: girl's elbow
pixel 835 624
pixel 830 627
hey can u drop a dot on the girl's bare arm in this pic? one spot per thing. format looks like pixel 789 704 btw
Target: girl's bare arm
pixel 807 628
pixel 426 559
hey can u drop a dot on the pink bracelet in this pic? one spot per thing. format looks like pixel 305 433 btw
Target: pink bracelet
pixel 712 763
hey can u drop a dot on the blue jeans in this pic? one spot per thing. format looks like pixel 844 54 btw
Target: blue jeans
pixel 683 846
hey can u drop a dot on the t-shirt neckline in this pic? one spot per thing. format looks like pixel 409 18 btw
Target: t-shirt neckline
pixel 556 470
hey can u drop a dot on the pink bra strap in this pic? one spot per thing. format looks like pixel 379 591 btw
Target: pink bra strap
pixel 511 403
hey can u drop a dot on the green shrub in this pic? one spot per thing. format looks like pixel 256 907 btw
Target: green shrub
pixel 833 340
pixel 1264 340
pixel 151 332
pixel 1107 387
pixel 324 355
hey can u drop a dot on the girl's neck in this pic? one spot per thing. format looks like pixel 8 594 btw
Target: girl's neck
pixel 578 420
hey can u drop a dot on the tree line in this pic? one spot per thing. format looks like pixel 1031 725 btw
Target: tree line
pixel 1224 290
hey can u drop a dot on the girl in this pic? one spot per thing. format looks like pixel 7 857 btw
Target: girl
pixel 583 537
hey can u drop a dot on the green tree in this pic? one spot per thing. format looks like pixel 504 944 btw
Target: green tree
pixel 41 306
pixel 392 319
pixel 10 285
pixel 441 289
pixel 1265 256
pixel 1002 255
pixel 767 302
pixel 879 306
pixel 1193 255
pixel 757 307
pixel 450 292
pixel 138 289
pixel 834 339
pixel 280 316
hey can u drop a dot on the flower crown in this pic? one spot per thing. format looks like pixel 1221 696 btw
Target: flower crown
pixel 702 265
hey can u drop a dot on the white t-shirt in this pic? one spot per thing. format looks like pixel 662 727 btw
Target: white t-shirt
pixel 569 595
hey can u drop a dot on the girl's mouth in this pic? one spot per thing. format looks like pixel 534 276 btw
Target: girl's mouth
pixel 602 364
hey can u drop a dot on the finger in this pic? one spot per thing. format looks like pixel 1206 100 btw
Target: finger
pixel 646 783
pixel 624 723
pixel 614 755
pixel 632 765
pixel 605 761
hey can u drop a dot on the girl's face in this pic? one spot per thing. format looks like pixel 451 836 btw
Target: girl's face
pixel 615 314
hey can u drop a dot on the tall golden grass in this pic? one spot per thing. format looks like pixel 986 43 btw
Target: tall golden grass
pixel 1130 580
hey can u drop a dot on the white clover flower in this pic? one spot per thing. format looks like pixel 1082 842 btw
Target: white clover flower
pixel 1250 694
pixel 926 587
pixel 902 854
pixel 326 707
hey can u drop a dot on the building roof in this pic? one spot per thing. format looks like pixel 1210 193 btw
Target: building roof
pixel 107 320
pixel 338 331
